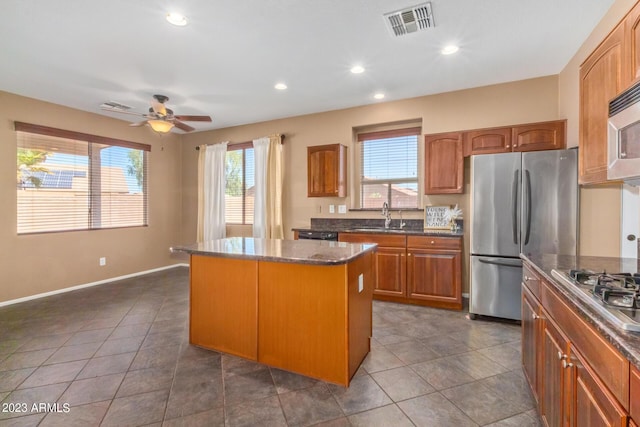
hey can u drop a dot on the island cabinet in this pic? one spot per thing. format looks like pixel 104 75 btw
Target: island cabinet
pixel 327 171
pixel 527 137
pixel 444 163
pixel 421 270
pixel 302 306
pixel 577 377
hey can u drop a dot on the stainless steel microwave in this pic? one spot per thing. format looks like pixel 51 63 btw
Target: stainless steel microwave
pixel 624 137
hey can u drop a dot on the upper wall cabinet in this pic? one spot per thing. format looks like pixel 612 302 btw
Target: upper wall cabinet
pixel 529 137
pixel 327 171
pixel 444 163
pixel 611 68
pixel 487 141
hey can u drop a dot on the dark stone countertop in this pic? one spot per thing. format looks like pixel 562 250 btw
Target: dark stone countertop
pixel 628 343
pixel 406 231
pixel 275 250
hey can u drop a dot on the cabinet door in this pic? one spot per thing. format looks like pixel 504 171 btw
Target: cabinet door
pixel 539 136
pixel 593 405
pixel 487 141
pixel 634 397
pixel 391 271
pixel 326 171
pixel 554 387
pixel 444 164
pixel 530 339
pixel 632 37
pixel 602 77
pixel 435 276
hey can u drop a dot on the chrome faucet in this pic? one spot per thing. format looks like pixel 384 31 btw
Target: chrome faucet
pixel 387 214
pixel 402 223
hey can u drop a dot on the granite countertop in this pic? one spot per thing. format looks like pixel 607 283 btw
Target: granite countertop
pixel 275 250
pixel 628 343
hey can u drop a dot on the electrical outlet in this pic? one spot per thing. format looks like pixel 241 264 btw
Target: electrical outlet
pixel 103 261
pixel 360 283
pixel 332 208
pixel 342 209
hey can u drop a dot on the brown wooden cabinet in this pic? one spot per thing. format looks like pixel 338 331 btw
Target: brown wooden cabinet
pixel 539 136
pixel 420 270
pixel 634 396
pixel 390 261
pixel 327 171
pixel 526 137
pixel 530 339
pixel 602 76
pixel 580 378
pixel 444 163
pixel 434 270
pixel 632 46
pixel 555 385
pixel 487 141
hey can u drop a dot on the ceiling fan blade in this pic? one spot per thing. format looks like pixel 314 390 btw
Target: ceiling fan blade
pixel 194 118
pixel 115 110
pixel 142 123
pixel 183 126
pixel 158 108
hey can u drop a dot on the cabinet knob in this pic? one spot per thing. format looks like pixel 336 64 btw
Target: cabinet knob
pixel 566 364
pixel 561 356
pixel 508 146
pixel 432 242
pixel 535 316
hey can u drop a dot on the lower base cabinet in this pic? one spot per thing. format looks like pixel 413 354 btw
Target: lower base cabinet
pixel 557 356
pixel 421 270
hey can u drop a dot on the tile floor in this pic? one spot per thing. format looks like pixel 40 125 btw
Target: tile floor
pixel 118 355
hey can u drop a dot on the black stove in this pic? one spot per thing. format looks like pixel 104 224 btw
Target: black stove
pixel 616 296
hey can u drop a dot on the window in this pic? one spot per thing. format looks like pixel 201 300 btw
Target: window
pixel 240 189
pixel 389 168
pixel 73 181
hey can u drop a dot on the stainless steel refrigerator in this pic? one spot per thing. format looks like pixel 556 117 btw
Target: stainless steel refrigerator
pixel 521 203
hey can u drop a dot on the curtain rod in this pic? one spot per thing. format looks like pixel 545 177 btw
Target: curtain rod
pixel 245 142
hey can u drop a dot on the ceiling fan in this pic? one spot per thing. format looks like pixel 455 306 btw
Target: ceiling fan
pixel 160 118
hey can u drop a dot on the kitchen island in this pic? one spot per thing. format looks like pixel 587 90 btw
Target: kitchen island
pixel 301 306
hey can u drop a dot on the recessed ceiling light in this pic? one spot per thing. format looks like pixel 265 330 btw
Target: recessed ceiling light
pixel 379 96
pixel 448 50
pixel 177 19
pixel 280 86
pixel 357 69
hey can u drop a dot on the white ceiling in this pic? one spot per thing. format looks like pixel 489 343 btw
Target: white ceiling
pixel 80 53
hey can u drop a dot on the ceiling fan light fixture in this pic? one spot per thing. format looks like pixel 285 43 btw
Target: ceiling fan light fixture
pixel 160 126
pixel 177 19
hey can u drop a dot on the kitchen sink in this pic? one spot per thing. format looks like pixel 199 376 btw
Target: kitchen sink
pixel 378 230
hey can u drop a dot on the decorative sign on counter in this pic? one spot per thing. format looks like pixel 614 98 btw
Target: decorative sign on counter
pixel 435 218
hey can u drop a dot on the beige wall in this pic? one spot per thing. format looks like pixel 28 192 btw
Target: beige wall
pixel 510 103
pixel 33 264
pixel 599 228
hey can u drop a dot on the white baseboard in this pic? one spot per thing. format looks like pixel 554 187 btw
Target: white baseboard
pixel 88 285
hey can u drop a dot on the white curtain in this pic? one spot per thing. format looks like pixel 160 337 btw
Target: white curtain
pixel 211 186
pixel 261 156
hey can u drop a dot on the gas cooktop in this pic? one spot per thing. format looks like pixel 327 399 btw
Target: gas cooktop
pixel 615 296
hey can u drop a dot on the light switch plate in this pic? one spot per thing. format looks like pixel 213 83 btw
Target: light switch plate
pixel 332 208
pixel 360 283
pixel 342 209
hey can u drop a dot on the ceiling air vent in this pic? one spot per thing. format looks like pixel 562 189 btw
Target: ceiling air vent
pixel 416 18
pixel 113 105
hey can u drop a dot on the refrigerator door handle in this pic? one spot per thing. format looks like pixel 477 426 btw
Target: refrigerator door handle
pixel 501 261
pixel 514 205
pixel 528 202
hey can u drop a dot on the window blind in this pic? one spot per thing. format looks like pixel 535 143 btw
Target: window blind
pixel 72 181
pixel 389 168
pixel 240 184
